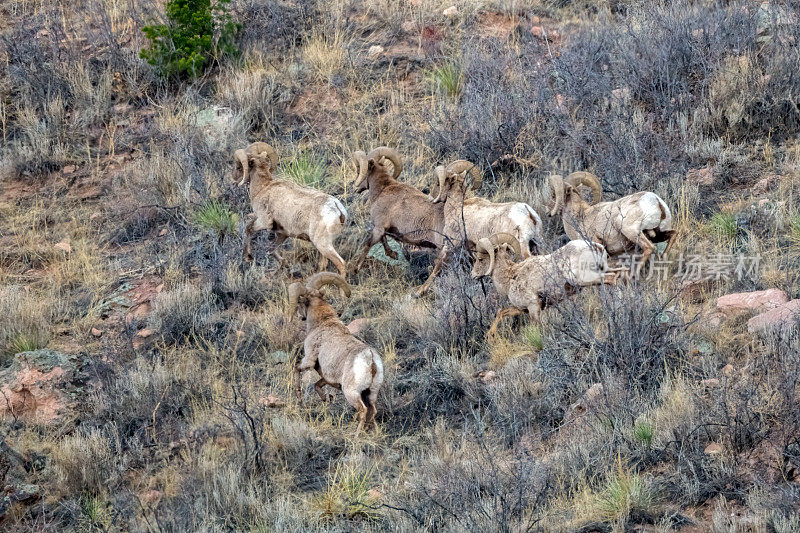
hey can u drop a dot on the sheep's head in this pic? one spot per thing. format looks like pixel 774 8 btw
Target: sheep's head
pixel 485 251
pixel 453 175
pixel 301 295
pixel 563 190
pixel 256 156
pixel 586 262
pixel 375 161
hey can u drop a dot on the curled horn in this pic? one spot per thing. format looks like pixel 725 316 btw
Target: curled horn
pixel 262 149
pixel 360 160
pixel 588 179
pixel 390 154
pixel 461 165
pixel 441 177
pixel 295 290
pixel 484 245
pixel 240 156
pixel 556 183
pixel 316 281
pixel 506 238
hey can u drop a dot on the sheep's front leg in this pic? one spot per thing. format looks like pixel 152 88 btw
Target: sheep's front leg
pixel 647 246
pixel 509 311
pixel 306 363
pixel 388 251
pixel 372 239
pixel 254 225
pixel 437 267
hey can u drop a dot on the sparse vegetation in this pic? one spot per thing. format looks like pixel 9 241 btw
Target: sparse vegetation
pixel 168 360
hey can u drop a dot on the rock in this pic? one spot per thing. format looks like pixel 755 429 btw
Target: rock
pixel 95 215
pixel 64 246
pixel 710 383
pixel 589 400
pixel 37 386
pixel 375 51
pixel 763 185
pixel 96 332
pixel 271 402
pixel 374 494
pixel 623 94
pixel 408 26
pixel 738 303
pixel 727 370
pixel 701 176
pixel 713 449
pixel 779 318
pixel 713 320
pixel 153 497
pixel 486 376
pixel 144 333
pixel 162 232
pixel 451 11
pixel 359 325
pixel 69 169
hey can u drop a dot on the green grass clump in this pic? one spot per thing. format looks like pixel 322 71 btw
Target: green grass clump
pixel 724 226
pixel 643 433
pixel 447 78
pixel 305 168
pixel 794 228
pixel 625 494
pixel 25 341
pixel 533 337
pixel 347 496
pixel 216 217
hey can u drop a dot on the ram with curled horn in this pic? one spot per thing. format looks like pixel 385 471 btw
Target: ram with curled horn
pixel 483 218
pixel 638 221
pixel 539 280
pixel 342 361
pixel 286 208
pixel 397 209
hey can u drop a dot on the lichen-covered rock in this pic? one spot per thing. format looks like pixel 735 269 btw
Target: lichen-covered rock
pixel 38 386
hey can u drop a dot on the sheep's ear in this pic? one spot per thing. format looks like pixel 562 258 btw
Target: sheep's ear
pixel 371 165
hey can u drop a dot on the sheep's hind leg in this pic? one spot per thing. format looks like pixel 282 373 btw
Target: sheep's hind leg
pixel 437 267
pixel 509 311
pixel 388 251
pixel 646 245
pixel 354 399
pixel 370 241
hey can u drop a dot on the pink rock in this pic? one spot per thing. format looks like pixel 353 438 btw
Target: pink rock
pixel 763 185
pixel 713 320
pixel 69 169
pixel 96 332
pixel 451 11
pixel 64 246
pixel 144 333
pixel 271 402
pixel 358 326
pixel 784 316
pixel 728 370
pixel 487 376
pixel 713 449
pixel 710 383
pixel 741 302
pixel 701 176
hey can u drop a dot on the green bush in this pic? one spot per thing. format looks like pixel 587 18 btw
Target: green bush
pixel 196 32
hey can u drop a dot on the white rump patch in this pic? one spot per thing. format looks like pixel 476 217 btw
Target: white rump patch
pixel 650 205
pixel 332 210
pixel 362 366
pixel 520 214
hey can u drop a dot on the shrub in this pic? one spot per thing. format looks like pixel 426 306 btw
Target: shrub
pixel 305 168
pixel 626 496
pixel 447 78
pixel 724 226
pixel 217 218
pixel 196 32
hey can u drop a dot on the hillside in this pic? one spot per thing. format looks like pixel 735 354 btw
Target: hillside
pixel 147 369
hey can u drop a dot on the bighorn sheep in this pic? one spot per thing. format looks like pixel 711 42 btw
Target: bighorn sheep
pixel 539 280
pixel 288 209
pixel 484 218
pixel 341 360
pixel 396 209
pixel 640 219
